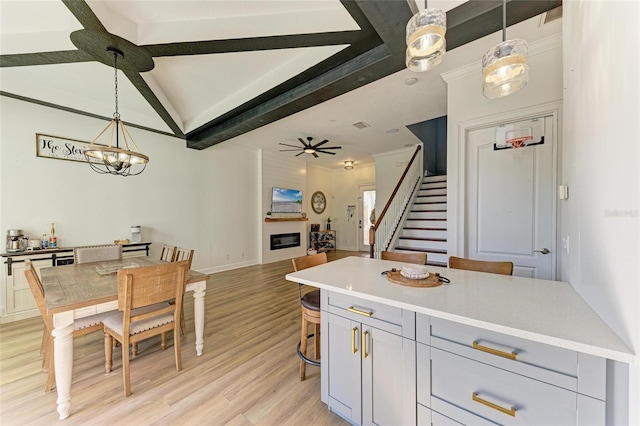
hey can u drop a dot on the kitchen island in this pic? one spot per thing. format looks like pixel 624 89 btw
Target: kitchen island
pixel 521 332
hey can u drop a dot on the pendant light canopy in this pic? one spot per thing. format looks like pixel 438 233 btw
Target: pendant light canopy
pixel 504 66
pixel 426 44
pixel 109 159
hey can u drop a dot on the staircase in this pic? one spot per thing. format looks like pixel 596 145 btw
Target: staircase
pixel 425 229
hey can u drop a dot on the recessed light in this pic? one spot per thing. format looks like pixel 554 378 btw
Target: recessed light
pixel 410 81
pixel 348 165
pixel 394 130
pixel 361 125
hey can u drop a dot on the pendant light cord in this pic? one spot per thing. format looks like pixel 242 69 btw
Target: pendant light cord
pixel 504 20
pixel 116 115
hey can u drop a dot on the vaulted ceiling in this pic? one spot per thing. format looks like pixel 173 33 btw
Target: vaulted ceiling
pixel 211 71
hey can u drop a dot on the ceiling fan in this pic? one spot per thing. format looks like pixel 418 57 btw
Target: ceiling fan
pixel 308 148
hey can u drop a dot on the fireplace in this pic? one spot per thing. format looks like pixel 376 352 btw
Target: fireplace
pixel 283 241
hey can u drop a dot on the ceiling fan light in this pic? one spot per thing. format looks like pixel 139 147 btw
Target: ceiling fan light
pixel 309 150
pixel 504 68
pixel 348 165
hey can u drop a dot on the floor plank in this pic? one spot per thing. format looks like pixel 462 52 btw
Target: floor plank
pixel 247 375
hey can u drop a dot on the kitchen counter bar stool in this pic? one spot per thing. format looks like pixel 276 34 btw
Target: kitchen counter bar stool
pixel 417 258
pixel 503 268
pixel 310 309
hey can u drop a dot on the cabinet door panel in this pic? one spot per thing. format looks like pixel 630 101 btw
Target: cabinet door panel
pixel 344 375
pixel 388 378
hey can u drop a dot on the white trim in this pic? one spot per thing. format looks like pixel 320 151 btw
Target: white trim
pixel 229 267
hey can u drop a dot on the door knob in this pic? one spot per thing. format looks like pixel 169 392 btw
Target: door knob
pixel 543 251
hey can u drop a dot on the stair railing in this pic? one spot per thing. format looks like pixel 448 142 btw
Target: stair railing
pixel 382 231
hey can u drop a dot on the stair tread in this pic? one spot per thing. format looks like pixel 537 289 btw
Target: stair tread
pixel 428 219
pixel 424 239
pixel 423 250
pixel 429 202
pixel 429 211
pixel 417 228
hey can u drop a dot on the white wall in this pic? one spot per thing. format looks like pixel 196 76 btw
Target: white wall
pixel 282 172
pixel 319 179
pixel 601 160
pixel 466 104
pixel 345 193
pixel 205 200
pixel 389 167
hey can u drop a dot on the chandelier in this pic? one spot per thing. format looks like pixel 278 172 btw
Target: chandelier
pixel 110 159
pixel 504 66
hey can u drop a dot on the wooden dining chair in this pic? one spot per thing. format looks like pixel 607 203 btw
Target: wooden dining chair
pixel 81 326
pixel 97 253
pixel 168 253
pixel 143 294
pixel 310 309
pixel 503 268
pixel 419 258
pixel 183 254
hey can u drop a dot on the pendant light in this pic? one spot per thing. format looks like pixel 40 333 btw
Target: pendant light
pixel 111 159
pixel 504 66
pixel 426 44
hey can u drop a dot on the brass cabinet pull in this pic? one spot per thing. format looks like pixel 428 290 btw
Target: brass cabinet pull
pixel 487 349
pixel 358 311
pixel 510 411
pixel 354 330
pixel 364 344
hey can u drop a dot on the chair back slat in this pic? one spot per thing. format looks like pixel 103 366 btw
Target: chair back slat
pixel 184 254
pixel 419 258
pixel 168 253
pixel 502 268
pixel 97 253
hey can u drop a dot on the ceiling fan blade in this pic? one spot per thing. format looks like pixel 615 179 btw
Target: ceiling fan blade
pixel 321 143
pixel 299 154
pixel 292 146
pixel 296 149
pixel 302 142
pixel 326 152
pixel 331 147
pixel 315 155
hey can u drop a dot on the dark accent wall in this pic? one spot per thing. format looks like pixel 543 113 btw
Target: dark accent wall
pixel 433 134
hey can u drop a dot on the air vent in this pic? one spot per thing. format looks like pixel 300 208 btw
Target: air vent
pixel 361 125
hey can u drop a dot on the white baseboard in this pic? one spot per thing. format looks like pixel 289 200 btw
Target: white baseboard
pixel 228 267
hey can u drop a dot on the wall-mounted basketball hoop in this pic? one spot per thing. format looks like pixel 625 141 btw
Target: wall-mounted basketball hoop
pixel 509 137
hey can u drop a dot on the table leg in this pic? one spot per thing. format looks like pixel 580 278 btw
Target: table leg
pixel 198 314
pixel 63 360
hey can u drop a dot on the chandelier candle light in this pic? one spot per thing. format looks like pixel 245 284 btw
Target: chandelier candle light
pixel 504 66
pixel 426 44
pixel 115 160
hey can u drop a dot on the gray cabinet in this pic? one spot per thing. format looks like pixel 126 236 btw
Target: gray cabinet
pixel 368 365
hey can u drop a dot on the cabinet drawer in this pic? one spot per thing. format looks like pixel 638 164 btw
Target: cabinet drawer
pixel 497 395
pixel 388 318
pixel 537 360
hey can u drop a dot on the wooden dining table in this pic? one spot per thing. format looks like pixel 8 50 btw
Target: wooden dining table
pixel 81 290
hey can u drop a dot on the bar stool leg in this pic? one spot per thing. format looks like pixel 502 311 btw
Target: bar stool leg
pixel 303 346
pixel 316 332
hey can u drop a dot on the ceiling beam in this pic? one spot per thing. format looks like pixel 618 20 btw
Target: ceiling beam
pixel 465 23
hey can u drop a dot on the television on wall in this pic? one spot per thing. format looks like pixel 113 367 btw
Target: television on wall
pixel 285 200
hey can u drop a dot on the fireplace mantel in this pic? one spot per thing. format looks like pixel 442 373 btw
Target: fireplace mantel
pixel 286 219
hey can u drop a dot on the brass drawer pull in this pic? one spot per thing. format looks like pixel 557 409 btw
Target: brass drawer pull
pixel 364 344
pixel 487 349
pixel 358 311
pixel 511 411
pixel 354 331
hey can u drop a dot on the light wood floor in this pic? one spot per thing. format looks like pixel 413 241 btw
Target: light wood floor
pixel 247 375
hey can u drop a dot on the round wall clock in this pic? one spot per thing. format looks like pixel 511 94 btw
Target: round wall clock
pixel 318 202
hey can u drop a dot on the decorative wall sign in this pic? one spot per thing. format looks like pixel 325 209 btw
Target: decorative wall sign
pixel 60 148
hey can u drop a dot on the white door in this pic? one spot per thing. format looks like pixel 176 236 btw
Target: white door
pixel 366 203
pixel 510 197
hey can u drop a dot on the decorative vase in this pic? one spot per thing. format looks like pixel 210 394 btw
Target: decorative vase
pixel 328 227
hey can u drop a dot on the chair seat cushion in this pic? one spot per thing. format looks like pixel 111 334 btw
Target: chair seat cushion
pixel 115 322
pixel 311 300
pixel 85 322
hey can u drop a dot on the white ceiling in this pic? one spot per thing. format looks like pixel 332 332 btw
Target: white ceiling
pixel 195 89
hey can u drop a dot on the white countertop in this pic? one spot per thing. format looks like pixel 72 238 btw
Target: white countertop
pixel 550 312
